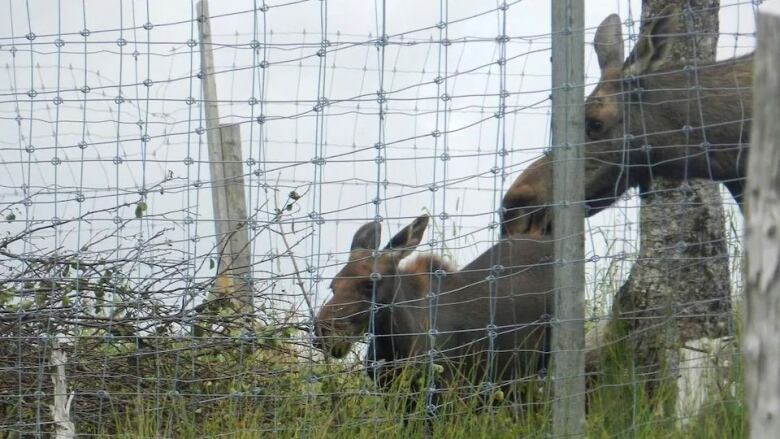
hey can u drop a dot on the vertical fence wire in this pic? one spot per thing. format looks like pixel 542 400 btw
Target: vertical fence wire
pixel 352 113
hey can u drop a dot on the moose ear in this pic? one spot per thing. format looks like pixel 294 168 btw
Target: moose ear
pixel 654 48
pixel 608 43
pixel 405 241
pixel 367 236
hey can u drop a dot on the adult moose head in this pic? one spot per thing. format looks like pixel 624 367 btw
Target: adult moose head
pixel 485 321
pixel 649 116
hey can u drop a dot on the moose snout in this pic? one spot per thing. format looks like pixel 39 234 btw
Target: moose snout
pixel 330 340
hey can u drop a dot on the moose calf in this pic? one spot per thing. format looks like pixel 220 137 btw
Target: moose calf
pixel 483 323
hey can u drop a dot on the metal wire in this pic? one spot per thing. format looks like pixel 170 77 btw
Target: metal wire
pixel 349 113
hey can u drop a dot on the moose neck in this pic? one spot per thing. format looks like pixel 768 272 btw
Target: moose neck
pixel 696 120
pixel 403 322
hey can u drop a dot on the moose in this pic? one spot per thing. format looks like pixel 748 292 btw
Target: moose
pixel 422 306
pixel 648 116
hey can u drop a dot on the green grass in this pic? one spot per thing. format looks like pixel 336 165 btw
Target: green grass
pixel 627 416
pixel 271 393
pixel 622 406
pixel 274 393
pixel 347 405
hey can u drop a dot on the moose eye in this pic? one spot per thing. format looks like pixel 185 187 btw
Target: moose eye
pixel 593 126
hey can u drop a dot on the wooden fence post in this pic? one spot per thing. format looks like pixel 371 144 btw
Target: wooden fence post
pixel 227 177
pixel 64 428
pixel 568 331
pixel 762 314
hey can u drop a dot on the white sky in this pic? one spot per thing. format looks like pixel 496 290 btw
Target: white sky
pixel 349 76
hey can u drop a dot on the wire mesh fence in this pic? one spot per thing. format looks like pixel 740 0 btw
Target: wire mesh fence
pixel 374 144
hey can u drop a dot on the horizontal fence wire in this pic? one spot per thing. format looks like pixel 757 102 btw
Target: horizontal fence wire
pixel 377 142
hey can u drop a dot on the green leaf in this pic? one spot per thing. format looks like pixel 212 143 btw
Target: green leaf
pixel 140 208
pixel 6 296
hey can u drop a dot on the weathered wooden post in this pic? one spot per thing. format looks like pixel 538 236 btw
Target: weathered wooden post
pixel 762 315
pixel 568 331
pixel 227 190
pixel 63 425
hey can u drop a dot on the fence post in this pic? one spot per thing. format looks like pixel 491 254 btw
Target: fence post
pixel 227 177
pixel 64 427
pixel 762 207
pixel 568 331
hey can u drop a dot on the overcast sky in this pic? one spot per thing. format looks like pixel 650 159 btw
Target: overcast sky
pixel 66 64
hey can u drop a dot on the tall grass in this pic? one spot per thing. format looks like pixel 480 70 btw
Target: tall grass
pixel 348 405
pixel 220 388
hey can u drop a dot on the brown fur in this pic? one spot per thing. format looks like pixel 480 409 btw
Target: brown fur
pixel 420 269
pixel 464 304
pixel 673 122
